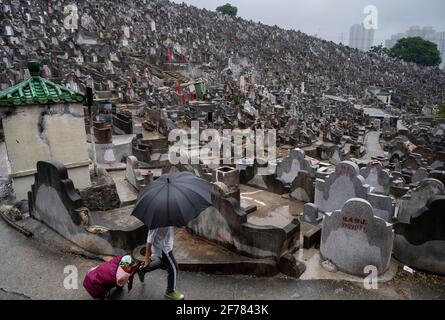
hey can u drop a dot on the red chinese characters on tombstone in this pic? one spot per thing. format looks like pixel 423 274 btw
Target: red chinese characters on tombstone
pixel 351 223
pixel 345 170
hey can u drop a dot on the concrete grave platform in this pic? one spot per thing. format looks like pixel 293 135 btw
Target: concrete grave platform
pixel 314 270
pixel 272 209
pixel 127 193
pixel 195 254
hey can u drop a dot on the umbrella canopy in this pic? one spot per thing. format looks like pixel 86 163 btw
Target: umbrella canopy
pixel 173 200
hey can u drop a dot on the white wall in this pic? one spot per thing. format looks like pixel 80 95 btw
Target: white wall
pixel 37 133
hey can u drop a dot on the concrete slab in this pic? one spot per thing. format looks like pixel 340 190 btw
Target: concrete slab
pixel 117 219
pixel 314 270
pixel 198 255
pixel 272 209
pixel 127 193
pixel 115 166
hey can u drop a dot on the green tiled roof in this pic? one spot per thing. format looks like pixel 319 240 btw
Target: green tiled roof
pixel 37 90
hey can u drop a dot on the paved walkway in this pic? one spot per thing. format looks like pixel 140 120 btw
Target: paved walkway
pixel 372 145
pixel 34 269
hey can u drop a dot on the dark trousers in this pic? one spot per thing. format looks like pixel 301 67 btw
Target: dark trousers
pixel 167 261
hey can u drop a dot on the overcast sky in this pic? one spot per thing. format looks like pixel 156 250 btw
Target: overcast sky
pixel 328 19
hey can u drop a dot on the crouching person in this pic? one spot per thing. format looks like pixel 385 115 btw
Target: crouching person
pixel 160 246
pixel 115 273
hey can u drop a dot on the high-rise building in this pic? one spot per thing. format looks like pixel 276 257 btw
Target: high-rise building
pixel 360 37
pixel 427 33
pixel 441 47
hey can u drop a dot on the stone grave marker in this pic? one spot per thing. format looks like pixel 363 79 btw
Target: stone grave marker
pixel 345 183
pixel 303 188
pixel 311 214
pixel 419 175
pixel 412 203
pixel 354 238
pixel 288 168
pixel 376 177
pixel 421 242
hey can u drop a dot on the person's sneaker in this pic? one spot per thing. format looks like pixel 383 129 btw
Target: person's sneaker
pixel 141 275
pixel 174 295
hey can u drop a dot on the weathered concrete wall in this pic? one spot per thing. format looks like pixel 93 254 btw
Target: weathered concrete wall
pixel 421 242
pixel 37 133
pixel 55 202
pixel 226 224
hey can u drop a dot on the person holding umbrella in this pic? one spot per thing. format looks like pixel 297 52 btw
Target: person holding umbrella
pixel 171 201
pixel 160 244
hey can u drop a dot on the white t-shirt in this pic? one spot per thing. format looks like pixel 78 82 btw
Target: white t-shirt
pixel 161 240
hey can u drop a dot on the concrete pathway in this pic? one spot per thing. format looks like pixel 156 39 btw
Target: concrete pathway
pixel 34 269
pixel 372 145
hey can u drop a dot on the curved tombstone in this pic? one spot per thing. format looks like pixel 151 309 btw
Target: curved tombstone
pixel 439 161
pixel 413 203
pixel 311 214
pixel 413 161
pixel 376 177
pixel 345 183
pixel 354 238
pixel 439 175
pixel 383 206
pixel 397 149
pixel 55 201
pixel 421 242
pixel 288 168
pixel 336 156
pixel 303 188
pixel 419 175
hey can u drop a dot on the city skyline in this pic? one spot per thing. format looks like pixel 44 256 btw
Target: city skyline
pixel 331 20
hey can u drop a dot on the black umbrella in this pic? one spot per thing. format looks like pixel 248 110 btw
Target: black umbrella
pixel 173 200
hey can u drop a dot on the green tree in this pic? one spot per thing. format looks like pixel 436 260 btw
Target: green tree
pixel 228 9
pixel 417 50
pixel 380 50
pixel 441 110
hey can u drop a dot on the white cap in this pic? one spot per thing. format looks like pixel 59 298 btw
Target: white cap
pixel 127 259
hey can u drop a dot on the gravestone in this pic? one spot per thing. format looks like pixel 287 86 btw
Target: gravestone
pixel 288 168
pixel 345 183
pixel 413 203
pixel 413 161
pixel 439 161
pixel 303 187
pixel 311 214
pixel 419 175
pixel 376 177
pixel 438 175
pixel 134 175
pixel 354 238
pixel 56 202
pixel 383 206
pixel 421 242
pixel 336 156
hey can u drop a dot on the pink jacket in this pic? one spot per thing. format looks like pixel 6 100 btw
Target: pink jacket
pixel 103 278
